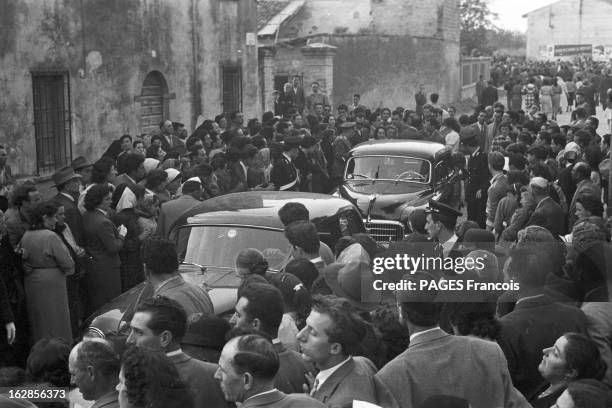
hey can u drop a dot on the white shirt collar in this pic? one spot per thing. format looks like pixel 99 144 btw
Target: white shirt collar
pixel 316 260
pixel 288 158
pixel 174 353
pixel 412 336
pixel 495 177
pixel 244 167
pixel 102 211
pixel 256 395
pixel 68 195
pixel 325 374
pixel 162 284
pixel 448 245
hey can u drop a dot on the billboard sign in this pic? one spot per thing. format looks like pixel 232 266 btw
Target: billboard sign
pixel 568 50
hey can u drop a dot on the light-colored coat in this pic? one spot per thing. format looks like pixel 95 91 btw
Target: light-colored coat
pixel 462 366
pixel 171 211
pixel 354 380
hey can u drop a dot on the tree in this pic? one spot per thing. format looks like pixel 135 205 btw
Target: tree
pixel 476 20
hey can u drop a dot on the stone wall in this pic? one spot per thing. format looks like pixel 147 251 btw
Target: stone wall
pixel 108 47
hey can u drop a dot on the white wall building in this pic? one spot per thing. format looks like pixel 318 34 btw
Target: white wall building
pixel 568 28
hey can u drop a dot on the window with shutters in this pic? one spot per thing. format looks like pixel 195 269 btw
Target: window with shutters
pixel 52 120
pixel 153 102
pixel 232 89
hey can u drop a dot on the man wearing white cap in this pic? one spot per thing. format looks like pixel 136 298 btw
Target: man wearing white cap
pixel 548 213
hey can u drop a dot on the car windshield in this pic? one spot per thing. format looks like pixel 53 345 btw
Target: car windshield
pixel 388 168
pixel 219 245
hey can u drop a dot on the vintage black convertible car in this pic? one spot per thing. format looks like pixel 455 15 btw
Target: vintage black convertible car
pixel 210 235
pixel 388 179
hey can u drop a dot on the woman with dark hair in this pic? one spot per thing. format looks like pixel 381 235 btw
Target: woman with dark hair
pixel 148 379
pixel 46 263
pixel 574 356
pixel 47 366
pixel 48 362
pixel 380 133
pixel 104 241
pixel 156 182
pixel 588 205
pixel 132 271
pixel 472 319
pixel 103 172
pixel 250 261
pixel 296 298
pixel 304 270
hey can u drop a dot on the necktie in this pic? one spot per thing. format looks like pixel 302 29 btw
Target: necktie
pixel 315 386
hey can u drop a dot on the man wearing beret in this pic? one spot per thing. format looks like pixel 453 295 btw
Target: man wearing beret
pixel 284 174
pixel 478 177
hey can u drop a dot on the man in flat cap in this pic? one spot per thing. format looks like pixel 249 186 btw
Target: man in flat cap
pixel 440 225
pixel 478 176
pixel 284 174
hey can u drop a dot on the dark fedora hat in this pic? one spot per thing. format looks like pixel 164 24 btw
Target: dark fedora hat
pixel 80 163
pixel 64 175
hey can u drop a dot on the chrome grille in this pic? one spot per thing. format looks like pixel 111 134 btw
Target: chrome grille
pixel 385 231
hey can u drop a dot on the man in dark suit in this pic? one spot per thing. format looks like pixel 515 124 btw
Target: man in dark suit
pixel 68 183
pixel 169 141
pixel 160 324
pixel 548 213
pixel 296 94
pixel 134 172
pixel 489 94
pixel 332 335
pixel 247 368
pixel 437 363
pixel 536 321
pixel 481 128
pixel 94 366
pixel 478 176
pixel 260 307
pixel 284 174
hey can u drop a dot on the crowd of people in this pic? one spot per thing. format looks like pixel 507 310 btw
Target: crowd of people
pixel 532 189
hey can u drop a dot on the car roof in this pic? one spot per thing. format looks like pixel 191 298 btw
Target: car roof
pixel 416 148
pixel 260 208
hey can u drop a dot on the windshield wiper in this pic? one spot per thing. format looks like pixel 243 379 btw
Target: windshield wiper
pixel 362 175
pixel 202 267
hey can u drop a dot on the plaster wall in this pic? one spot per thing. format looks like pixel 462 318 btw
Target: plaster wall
pixel 108 47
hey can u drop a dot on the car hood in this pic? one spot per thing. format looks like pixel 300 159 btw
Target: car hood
pixel 221 283
pixel 389 206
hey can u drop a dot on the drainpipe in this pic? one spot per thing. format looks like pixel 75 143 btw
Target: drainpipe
pixel 196 102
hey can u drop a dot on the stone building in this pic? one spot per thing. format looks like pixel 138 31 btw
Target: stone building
pixel 77 74
pixel 381 49
pixel 568 28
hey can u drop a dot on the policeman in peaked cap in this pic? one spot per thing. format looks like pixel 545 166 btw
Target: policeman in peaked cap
pixel 440 225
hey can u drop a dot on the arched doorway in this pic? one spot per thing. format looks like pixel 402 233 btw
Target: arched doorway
pixel 153 102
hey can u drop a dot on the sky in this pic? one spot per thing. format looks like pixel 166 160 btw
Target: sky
pixel 510 12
